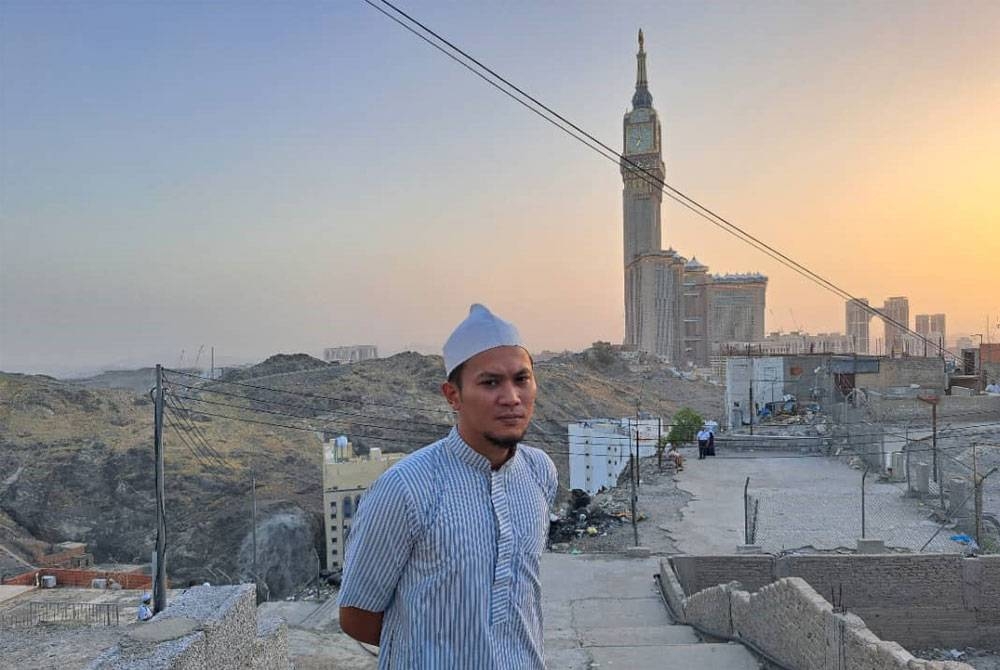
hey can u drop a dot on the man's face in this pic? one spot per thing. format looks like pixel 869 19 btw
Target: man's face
pixel 497 397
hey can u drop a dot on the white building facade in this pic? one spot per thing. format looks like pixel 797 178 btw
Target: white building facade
pixel 599 450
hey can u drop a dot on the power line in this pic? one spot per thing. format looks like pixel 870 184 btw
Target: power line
pixel 184 413
pixel 309 408
pixel 306 394
pixel 588 140
pixel 325 423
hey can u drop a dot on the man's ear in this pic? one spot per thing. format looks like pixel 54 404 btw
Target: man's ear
pixel 451 394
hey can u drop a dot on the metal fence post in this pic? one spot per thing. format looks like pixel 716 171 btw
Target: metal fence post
pixel 746 512
pixel 863 477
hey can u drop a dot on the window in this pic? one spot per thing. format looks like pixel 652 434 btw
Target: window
pixel 348 508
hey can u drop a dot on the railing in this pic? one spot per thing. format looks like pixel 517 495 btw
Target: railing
pixel 36 612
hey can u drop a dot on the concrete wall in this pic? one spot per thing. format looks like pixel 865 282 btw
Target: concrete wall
pixel 789 621
pixel 949 406
pixel 205 628
pixel 918 600
pixel 901 373
pixel 739 441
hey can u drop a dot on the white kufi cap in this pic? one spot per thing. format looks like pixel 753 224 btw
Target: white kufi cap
pixel 480 331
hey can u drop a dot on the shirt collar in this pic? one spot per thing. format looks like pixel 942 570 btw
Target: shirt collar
pixel 466 454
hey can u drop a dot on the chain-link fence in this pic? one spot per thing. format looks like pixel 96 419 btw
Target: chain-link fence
pixel 36 612
pixel 876 509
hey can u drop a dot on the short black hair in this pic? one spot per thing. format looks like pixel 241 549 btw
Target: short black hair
pixel 456 375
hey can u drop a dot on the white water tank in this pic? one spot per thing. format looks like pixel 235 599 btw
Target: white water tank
pixel 48 581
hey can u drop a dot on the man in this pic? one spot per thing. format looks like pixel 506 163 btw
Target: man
pixel 703 436
pixel 442 568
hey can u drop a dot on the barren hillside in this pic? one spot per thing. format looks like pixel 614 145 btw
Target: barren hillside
pixel 77 463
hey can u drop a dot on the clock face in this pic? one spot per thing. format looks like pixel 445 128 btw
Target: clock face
pixel 639 138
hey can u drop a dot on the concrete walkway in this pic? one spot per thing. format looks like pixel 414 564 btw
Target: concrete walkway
pixel 605 611
pixel 804 501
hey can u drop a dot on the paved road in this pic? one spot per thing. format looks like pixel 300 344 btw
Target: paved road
pixel 804 501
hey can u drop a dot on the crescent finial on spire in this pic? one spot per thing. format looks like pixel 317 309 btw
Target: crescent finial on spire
pixel 640 39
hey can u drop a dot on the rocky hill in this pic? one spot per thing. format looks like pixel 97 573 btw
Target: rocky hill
pixel 76 463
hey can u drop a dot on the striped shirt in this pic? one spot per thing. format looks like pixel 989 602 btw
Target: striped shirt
pixel 449 549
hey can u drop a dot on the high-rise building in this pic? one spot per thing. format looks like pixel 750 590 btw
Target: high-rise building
pixel 931 328
pixel 858 319
pixel 673 307
pixel 896 315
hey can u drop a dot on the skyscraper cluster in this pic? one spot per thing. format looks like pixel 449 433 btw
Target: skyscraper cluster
pixel 673 306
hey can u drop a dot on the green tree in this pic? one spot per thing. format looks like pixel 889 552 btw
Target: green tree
pixel 686 424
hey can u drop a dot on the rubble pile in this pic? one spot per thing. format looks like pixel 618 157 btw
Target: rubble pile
pixel 586 516
pixel 981 659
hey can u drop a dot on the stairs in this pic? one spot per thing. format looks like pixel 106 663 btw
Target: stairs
pixel 605 611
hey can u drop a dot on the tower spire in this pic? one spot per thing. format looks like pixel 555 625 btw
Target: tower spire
pixel 642 97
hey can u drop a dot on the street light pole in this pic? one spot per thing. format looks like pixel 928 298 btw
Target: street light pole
pixel 979 358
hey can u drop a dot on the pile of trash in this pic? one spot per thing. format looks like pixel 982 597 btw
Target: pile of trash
pixel 585 517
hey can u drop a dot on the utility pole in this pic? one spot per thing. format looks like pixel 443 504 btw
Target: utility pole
pixel 160 578
pixel 977 493
pixel 753 409
pixel 253 522
pixel 659 437
pixel 637 461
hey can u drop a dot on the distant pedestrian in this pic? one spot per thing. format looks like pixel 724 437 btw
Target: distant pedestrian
pixel 710 447
pixel 144 613
pixel 703 436
pixel 443 566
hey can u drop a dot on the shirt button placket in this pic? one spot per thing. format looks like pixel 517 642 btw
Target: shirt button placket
pixel 503 575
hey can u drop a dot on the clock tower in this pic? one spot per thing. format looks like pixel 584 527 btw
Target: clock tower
pixel 650 275
pixel 642 146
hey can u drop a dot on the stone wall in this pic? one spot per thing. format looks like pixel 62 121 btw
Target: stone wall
pixel 948 600
pixel 791 623
pixel 270 647
pixel 205 628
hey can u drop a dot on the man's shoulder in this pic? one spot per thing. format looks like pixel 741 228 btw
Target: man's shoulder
pixel 416 467
pixel 534 454
pixel 539 462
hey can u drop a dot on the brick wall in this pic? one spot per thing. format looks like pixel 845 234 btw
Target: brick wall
pixel 917 600
pixel 83 578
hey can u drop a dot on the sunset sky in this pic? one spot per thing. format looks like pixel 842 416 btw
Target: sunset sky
pixel 269 177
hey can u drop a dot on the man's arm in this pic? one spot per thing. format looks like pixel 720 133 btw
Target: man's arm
pixel 382 537
pixel 362 625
